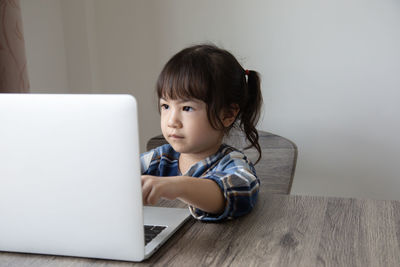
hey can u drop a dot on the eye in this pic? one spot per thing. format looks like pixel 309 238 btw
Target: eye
pixel 187 108
pixel 164 106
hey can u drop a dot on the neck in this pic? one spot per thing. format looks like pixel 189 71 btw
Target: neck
pixel 186 160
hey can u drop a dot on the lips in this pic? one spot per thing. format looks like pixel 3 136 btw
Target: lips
pixel 175 136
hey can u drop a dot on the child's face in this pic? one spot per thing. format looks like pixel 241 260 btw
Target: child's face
pixel 185 126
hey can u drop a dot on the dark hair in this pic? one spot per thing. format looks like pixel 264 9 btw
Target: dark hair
pixel 214 76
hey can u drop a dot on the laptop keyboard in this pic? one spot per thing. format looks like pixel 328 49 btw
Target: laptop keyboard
pixel 151 231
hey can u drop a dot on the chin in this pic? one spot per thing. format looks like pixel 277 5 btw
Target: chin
pixel 180 149
pixel 177 148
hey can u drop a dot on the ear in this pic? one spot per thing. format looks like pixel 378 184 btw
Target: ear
pixel 229 115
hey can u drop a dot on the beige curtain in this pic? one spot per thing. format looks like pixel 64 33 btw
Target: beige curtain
pixel 13 72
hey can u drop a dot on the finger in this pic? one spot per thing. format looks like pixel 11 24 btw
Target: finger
pixel 146 188
pixel 144 178
pixel 153 196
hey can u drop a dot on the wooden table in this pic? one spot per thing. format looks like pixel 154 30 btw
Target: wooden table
pixel 281 231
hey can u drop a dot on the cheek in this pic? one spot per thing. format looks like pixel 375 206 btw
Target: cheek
pixel 202 129
pixel 163 119
pixel 163 125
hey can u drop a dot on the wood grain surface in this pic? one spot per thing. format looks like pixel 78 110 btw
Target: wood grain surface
pixel 282 230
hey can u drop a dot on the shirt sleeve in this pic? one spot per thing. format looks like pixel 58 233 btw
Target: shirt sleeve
pixel 239 184
pixel 145 160
pixel 160 161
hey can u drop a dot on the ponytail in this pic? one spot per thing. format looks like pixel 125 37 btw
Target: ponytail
pixel 250 112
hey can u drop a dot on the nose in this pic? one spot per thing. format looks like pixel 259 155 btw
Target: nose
pixel 174 120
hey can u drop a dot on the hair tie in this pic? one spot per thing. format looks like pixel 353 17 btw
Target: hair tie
pixel 247 72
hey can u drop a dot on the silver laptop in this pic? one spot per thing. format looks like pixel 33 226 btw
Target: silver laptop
pixel 70 178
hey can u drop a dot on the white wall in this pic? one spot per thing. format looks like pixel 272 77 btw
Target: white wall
pixel 125 44
pixel 45 47
pixel 94 46
pixel 330 72
pixel 80 45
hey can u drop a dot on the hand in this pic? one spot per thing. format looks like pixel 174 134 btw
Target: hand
pixel 154 188
pixel 204 194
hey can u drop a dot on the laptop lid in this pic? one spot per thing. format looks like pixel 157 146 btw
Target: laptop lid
pixel 70 176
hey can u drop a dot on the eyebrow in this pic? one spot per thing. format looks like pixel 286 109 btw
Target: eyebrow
pixel 180 101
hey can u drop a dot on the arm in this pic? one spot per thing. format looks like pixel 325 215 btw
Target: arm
pixel 203 194
pixel 238 183
pixel 233 175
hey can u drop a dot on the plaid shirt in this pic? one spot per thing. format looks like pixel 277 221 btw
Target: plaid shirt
pixel 229 168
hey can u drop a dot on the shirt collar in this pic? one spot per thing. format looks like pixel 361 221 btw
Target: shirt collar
pixel 199 168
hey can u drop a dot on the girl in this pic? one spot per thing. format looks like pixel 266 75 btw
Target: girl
pixel 203 93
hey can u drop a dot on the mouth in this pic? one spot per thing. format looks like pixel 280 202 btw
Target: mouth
pixel 175 136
